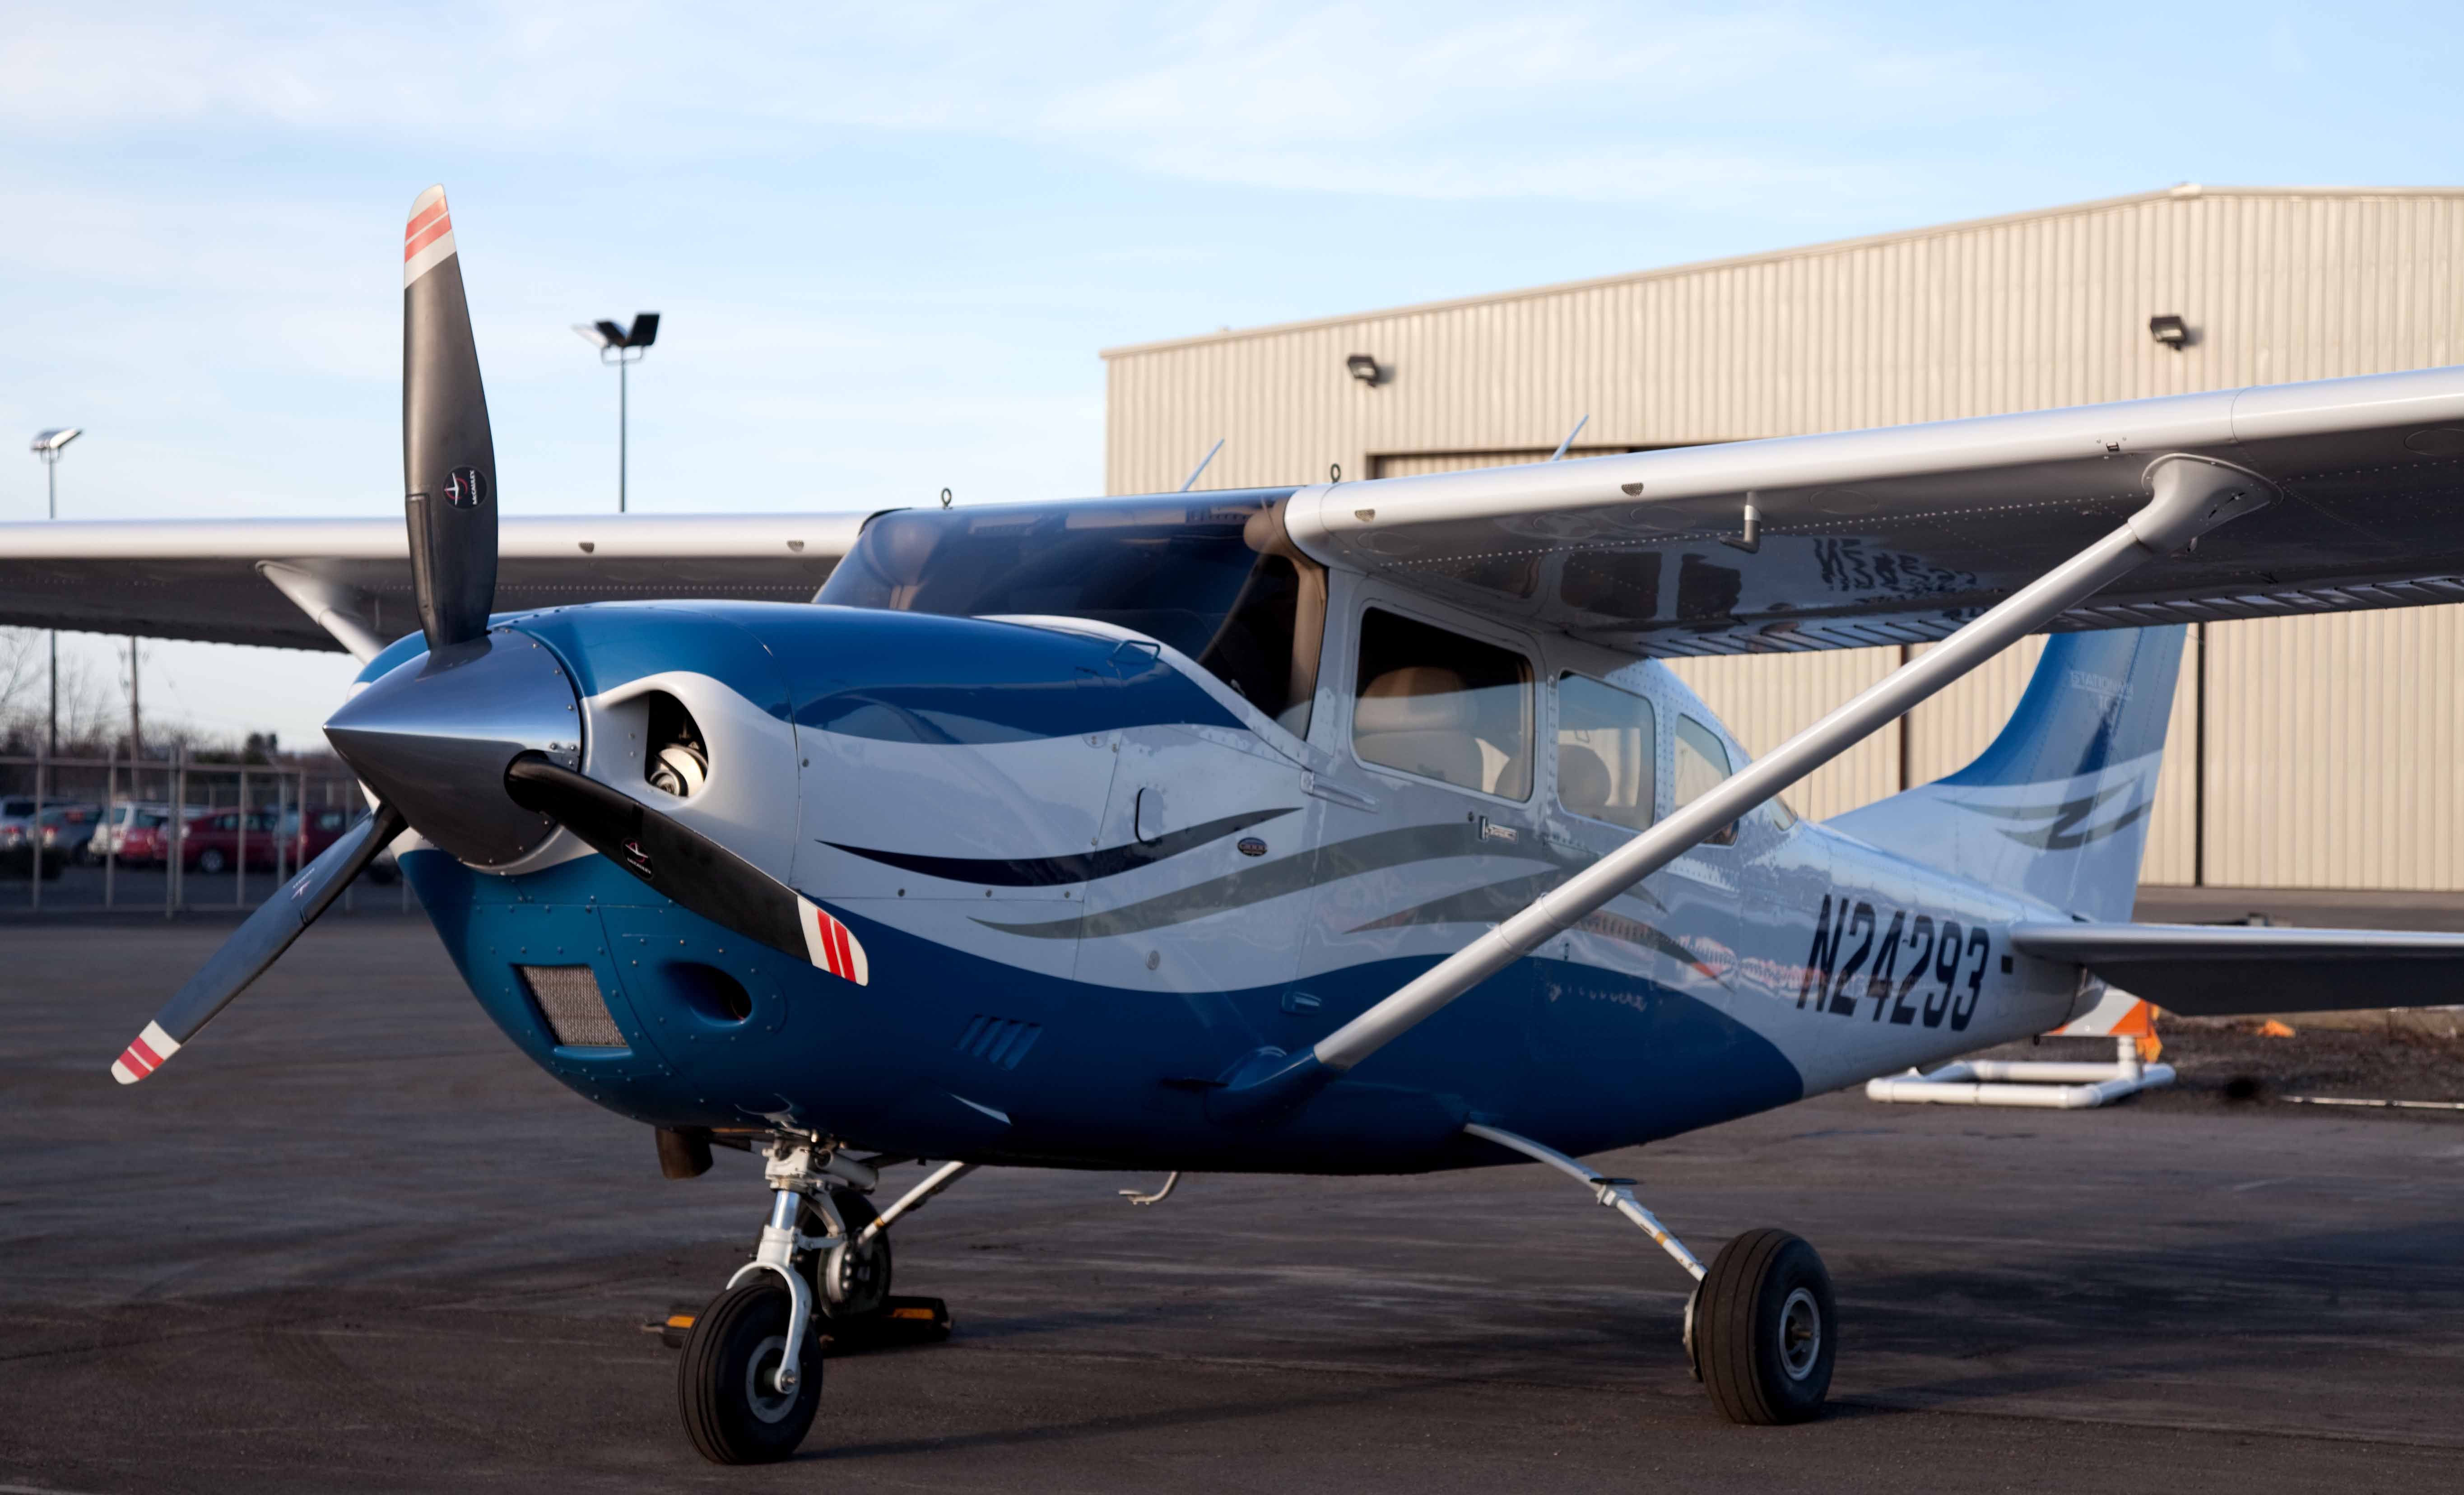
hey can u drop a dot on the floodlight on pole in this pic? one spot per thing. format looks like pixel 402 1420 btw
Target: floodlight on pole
pixel 47 444
pixel 623 348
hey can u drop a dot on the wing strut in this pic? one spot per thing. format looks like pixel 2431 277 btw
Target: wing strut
pixel 2190 495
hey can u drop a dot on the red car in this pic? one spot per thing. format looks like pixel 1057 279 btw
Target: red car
pixel 211 842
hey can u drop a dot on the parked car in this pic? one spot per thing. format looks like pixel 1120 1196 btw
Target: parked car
pixel 18 838
pixel 115 820
pixel 212 840
pixel 144 838
pixel 67 829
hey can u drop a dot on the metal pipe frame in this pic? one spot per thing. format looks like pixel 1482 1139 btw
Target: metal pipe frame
pixel 2190 495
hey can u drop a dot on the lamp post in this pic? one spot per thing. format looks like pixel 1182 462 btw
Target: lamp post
pixel 48 446
pixel 623 348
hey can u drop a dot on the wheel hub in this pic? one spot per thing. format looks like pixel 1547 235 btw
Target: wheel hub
pixel 1800 1334
pixel 762 1392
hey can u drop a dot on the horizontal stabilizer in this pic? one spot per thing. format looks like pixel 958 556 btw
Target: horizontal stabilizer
pixel 2233 970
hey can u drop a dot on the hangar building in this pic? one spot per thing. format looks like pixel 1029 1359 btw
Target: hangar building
pixel 2318 749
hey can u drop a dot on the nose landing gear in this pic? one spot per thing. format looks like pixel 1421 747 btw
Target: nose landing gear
pixel 750 1381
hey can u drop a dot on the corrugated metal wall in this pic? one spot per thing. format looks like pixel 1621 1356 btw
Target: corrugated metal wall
pixel 2334 743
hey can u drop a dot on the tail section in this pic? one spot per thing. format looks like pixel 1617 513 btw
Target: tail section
pixel 2058 806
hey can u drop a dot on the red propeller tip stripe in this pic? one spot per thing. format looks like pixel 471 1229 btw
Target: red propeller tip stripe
pixel 833 946
pixel 145 1054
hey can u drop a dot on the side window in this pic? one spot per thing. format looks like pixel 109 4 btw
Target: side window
pixel 1702 762
pixel 1442 706
pixel 1608 743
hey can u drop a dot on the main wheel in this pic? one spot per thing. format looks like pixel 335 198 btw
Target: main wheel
pixel 727 1378
pixel 1762 1329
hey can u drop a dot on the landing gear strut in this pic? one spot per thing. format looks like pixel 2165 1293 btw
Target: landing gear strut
pixel 750 1381
pixel 1761 1325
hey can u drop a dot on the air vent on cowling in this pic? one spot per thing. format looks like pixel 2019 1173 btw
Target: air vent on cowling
pixel 999 1040
pixel 568 998
pixel 676 759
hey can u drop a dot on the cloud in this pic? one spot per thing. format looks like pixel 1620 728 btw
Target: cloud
pixel 1451 101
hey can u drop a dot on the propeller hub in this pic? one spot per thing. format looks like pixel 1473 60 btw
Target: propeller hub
pixel 434 736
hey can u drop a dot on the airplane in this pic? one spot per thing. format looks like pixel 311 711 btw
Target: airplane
pixel 1334 828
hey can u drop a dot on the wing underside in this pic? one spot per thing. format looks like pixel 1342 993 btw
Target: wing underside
pixel 2227 971
pixel 261 582
pixel 1902 535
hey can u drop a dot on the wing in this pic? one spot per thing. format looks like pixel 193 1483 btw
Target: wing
pixel 2225 971
pixel 1900 535
pixel 273 581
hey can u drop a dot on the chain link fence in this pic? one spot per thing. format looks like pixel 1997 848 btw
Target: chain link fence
pixel 91 835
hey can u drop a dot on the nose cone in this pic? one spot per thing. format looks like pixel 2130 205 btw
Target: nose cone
pixel 433 737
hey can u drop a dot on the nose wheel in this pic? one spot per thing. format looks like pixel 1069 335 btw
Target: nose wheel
pixel 729 1386
pixel 750 1381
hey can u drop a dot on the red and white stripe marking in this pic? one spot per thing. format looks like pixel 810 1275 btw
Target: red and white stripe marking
pixel 427 239
pixel 832 946
pixel 145 1055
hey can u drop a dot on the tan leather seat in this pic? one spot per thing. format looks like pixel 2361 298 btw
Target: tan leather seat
pixel 1418 718
pixel 1583 782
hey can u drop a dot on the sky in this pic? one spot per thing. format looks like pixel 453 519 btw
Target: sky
pixel 889 241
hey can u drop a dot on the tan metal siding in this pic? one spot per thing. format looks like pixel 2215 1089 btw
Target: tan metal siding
pixel 2023 313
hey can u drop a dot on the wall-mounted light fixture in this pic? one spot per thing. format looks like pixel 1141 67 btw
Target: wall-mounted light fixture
pixel 1362 367
pixel 2171 331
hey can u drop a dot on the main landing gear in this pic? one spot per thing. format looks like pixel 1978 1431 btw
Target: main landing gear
pixel 750 1381
pixel 1761 1325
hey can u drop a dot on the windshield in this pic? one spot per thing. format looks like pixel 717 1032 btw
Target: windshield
pixel 1215 576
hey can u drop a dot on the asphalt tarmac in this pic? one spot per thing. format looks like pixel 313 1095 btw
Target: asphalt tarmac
pixel 351 1239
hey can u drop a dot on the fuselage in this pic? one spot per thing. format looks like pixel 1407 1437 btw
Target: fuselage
pixel 1089 874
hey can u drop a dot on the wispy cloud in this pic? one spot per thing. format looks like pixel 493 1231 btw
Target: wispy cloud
pixel 1586 102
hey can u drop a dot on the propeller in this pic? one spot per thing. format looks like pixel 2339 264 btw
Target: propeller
pixel 476 744
pixel 449 459
pixel 686 867
pixel 260 942
pixel 449 477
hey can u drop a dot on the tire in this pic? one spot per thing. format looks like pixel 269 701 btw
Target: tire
pixel 720 1384
pixel 212 860
pixel 1762 1330
pixel 865 1277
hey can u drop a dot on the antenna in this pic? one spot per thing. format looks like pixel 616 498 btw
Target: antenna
pixel 1569 438
pixel 1202 465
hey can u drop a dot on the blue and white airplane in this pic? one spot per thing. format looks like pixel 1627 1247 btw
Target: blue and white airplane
pixel 1324 829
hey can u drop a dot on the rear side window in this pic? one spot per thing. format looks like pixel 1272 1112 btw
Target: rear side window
pixel 1442 706
pixel 1608 745
pixel 1702 762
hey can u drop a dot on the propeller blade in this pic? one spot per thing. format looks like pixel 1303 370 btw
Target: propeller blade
pixel 687 866
pixel 257 944
pixel 448 460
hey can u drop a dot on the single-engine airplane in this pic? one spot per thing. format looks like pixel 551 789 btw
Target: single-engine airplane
pixel 1323 829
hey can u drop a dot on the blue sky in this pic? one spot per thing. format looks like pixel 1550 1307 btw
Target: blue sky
pixel 888 240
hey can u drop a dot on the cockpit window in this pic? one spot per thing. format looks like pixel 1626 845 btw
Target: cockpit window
pixel 1216 579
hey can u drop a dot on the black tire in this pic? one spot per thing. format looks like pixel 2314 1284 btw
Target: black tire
pixel 731 1412
pixel 212 860
pixel 868 1272
pixel 1762 1329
